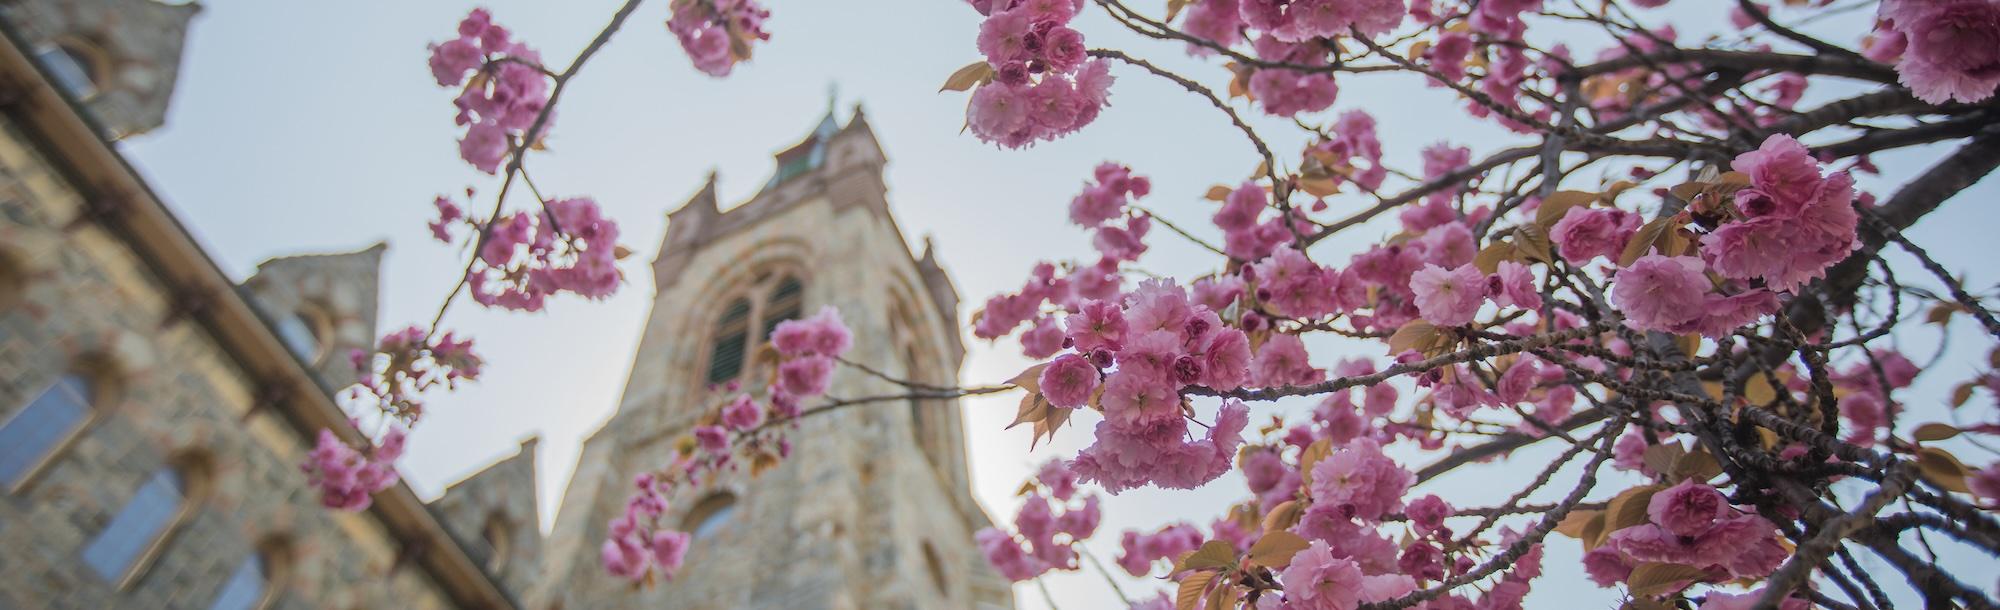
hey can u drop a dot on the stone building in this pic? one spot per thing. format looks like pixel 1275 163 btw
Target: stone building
pixel 873 508
pixel 154 411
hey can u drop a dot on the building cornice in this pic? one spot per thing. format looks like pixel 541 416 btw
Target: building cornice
pixel 121 203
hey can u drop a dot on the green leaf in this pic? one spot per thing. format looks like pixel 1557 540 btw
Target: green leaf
pixel 1212 555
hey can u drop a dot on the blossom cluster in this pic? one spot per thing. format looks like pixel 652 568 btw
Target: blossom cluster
pixel 638 547
pixel 717 33
pixel 1043 84
pixel 348 478
pixel 1690 524
pixel 1781 231
pixel 1053 519
pixel 507 92
pixel 1944 50
pixel 526 257
pixel 404 365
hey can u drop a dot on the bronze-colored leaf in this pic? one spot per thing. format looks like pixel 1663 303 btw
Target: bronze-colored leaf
pixel 1223 597
pixel 621 252
pixel 1174 8
pixel 1643 240
pixel 1941 313
pixel 1559 204
pixel 1962 393
pixel 1532 241
pixel 1933 431
pixel 1418 49
pixel 968 77
pixel 1627 509
pixel 1213 554
pixel 1489 258
pixel 1698 465
pixel 1030 379
pixel 1415 335
pixel 1319 187
pixel 1660 458
pixel 1283 516
pixel 1758 390
pixel 1943 469
pixel 1191 589
pixel 1275 549
pixel 1218 193
pixel 1318 450
pixel 1593 531
pixel 1573 524
pixel 1655 579
pixel 1034 408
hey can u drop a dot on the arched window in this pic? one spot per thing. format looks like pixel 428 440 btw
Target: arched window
pixel 710 515
pixel 936 567
pixel 303 333
pixel 76 65
pixel 787 302
pixel 33 436
pixel 128 544
pixel 770 301
pixel 732 340
pixel 499 543
pixel 256 581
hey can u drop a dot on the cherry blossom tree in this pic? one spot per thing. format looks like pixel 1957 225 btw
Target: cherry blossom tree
pixel 1673 274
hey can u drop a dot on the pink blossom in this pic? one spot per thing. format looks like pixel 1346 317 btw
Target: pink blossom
pixel 625 559
pixel 1448 57
pixel 1007 555
pixel 1139 551
pixel 1316 580
pixel 1659 293
pixel 1080 523
pixel 1225 363
pixel 1098 325
pixel 1359 481
pixel 1448 297
pixel 1687 509
pixel 742 413
pixel 1217 293
pixel 1954 48
pixel 1126 458
pixel 713 440
pixel 669 549
pixel 1157 305
pixel 1295 287
pixel 1606 566
pixel 1042 340
pixel 1428 513
pixel 1134 400
pixel 1587 233
pixel 821 335
pixel 1282 361
pixel 1513 285
pixel 1215 20
pixel 1986 484
pixel 1057 477
pixel 347 478
pixel 808 376
pixel 1288 92
pixel 1068 381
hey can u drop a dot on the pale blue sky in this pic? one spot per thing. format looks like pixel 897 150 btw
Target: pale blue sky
pixel 303 127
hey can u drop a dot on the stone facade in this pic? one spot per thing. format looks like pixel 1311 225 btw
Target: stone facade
pixel 199 396
pixel 180 464
pixel 873 508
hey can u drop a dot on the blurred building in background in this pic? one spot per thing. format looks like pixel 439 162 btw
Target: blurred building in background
pixel 154 412
pixel 873 509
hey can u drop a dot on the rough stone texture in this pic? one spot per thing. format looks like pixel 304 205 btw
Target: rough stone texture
pixel 870 493
pixel 494 508
pixel 334 294
pixel 136 44
pixel 89 300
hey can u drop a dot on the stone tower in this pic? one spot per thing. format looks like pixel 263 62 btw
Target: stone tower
pixel 117 58
pixel 873 508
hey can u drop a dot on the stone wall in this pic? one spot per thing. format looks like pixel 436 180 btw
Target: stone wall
pixel 180 399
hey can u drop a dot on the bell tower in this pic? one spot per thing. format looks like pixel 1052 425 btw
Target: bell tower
pixel 873 508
